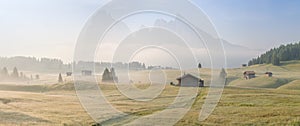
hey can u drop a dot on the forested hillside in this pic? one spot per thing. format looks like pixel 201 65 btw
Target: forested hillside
pixel 274 56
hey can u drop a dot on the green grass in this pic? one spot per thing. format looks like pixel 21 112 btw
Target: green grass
pixel 282 75
pixel 38 88
pixel 259 101
pixel 260 82
pixel 292 66
pixel 66 87
pixel 294 85
pixel 240 106
pixel 23 88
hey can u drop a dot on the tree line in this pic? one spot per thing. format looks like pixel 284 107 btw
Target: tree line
pixel 57 65
pixel 274 56
pixel 34 64
pixel 15 75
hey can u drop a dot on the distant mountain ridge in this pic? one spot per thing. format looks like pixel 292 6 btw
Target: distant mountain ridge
pixel 236 54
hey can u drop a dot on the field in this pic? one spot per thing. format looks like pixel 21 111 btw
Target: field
pixel 259 101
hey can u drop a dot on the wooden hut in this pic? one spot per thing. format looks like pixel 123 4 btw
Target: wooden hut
pixel 189 80
pixel 249 74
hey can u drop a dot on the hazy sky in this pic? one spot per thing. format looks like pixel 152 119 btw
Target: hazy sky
pixel 255 23
pixel 49 28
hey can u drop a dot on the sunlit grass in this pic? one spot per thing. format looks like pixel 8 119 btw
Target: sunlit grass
pixel 259 101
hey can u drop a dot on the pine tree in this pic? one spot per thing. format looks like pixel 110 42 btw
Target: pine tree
pixel 223 73
pixel 199 65
pixel 15 73
pixel 114 77
pixel 275 59
pixel 105 75
pixel 143 66
pixel 60 79
pixel 250 63
pixel 113 73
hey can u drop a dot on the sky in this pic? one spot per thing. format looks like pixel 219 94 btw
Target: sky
pixel 49 28
pixel 260 24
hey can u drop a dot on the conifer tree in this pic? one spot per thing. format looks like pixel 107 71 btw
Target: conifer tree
pixel 199 65
pixel 60 79
pixel 223 73
pixel 105 75
pixel 15 73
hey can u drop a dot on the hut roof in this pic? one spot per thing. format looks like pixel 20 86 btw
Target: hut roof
pixel 187 75
pixel 249 72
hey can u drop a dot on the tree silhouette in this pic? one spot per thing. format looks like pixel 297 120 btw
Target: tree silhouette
pixel 223 73
pixel 15 73
pixel 144 66
pixel 199 65
pixel 275 59
pixel 105 75
pixel 113 76
pixel 60 79
pixel 113 73
pixel 109 76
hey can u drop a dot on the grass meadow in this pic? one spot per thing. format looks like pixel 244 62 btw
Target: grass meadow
pixel 259 101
